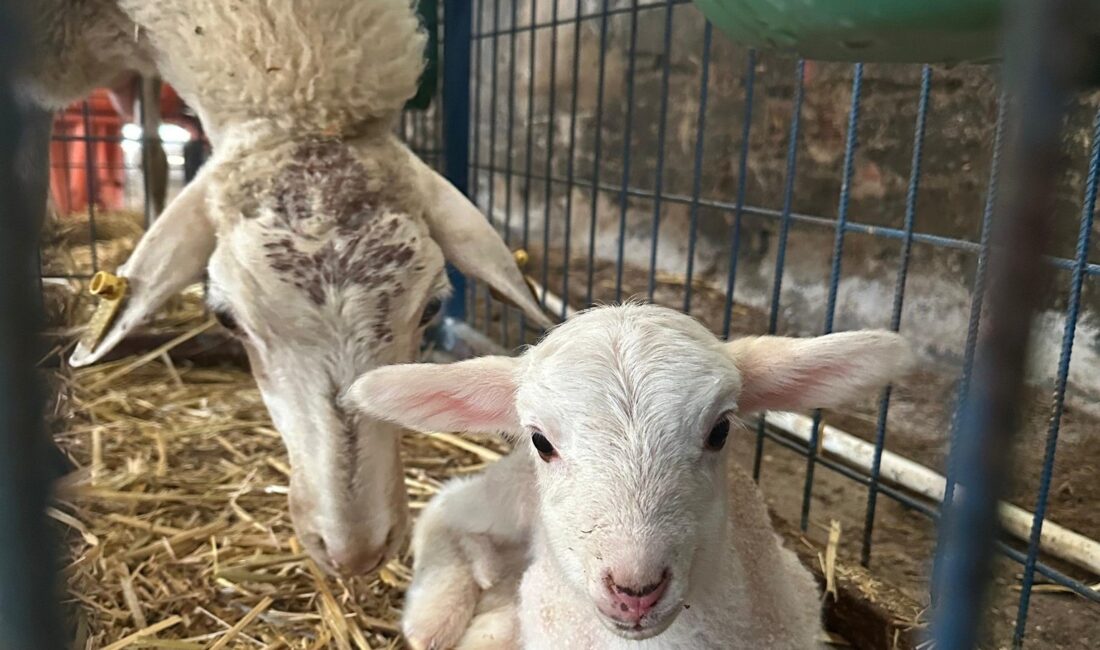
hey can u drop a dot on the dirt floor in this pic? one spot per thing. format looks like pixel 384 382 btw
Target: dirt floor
pixel 917 428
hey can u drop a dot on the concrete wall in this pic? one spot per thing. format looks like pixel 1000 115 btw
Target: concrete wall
pixel 953 185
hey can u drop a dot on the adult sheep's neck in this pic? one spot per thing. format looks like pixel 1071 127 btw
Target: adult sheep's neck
pixel 241 136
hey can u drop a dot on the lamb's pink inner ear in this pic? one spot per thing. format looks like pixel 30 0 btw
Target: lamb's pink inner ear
pixel 465 414
pixel 470 396
pixel 776 388
pixel 797 374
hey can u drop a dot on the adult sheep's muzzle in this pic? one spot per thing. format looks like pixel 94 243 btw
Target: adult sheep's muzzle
pixel 349 546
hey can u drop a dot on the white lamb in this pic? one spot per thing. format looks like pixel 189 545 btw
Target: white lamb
pixel 630 526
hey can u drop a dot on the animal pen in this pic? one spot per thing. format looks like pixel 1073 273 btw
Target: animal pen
pixel 631 150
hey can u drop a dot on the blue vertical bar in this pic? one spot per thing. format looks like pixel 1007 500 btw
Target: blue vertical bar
pixel 784 232
pixel 662 126
pixel 547 200
pixel 456 122
pixel 1072 312
pixel 491 206
pixel 976 301
pixel 508 165
pixel 742 184
pixel 597 149
pixel 29 615
pixel 628 126
pixel 899 299
pixel 1048 51
pixel 529 153
pixel 570 177
pixel 850 145
pixel 697 172
pixel 475 187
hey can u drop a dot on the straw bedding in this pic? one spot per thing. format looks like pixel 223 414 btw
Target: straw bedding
pixel 176 525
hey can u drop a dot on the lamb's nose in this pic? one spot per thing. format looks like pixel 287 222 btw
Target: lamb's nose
pixel 632 602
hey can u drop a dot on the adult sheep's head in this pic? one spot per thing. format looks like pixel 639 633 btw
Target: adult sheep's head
pixel 325 258
pixel 323 239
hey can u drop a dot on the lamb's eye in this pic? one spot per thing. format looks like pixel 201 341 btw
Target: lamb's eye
pixel 543 446
pixel 716 439
pixel 226 320
pixel 431 310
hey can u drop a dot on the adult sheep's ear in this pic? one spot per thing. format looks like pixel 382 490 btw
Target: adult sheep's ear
pixel 469 242
pixel 795 374
pixel 170 256
pixel 478 395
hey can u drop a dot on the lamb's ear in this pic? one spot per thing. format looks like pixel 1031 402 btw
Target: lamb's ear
pixel 170 256
pixel 792 374
pixel 478 395
pixel 469 242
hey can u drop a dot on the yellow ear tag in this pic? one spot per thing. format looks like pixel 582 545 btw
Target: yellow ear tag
pixel 111 291
pixel 521 257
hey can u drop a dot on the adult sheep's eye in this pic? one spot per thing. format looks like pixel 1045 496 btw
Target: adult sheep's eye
pixel 431 310
pixel 716 439
pixel 543 446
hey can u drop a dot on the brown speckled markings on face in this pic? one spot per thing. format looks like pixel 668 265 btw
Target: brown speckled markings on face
pixel 332 230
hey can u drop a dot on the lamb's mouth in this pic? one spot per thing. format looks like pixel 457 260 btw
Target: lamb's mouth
pixel 650 626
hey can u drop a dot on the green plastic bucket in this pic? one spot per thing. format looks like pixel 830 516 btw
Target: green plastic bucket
pixel 902 31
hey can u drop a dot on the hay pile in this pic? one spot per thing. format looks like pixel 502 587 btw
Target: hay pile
pixel 68 248
pixel 67 241
pixel 176 525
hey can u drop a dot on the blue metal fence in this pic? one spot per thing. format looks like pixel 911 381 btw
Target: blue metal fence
pixel 502 31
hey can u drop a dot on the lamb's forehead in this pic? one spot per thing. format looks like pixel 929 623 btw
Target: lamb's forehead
pixel 631 359
pixel 635 333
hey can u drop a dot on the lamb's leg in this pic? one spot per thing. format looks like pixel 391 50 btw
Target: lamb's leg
pixel 495 625
pixel 470 545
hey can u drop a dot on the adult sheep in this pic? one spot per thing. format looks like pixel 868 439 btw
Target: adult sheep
pixel 322 237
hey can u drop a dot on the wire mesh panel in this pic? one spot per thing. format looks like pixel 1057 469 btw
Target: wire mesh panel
pixel 634 152
pixel 98 173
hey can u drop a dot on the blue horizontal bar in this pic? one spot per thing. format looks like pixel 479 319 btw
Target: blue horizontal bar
pixel 1091 269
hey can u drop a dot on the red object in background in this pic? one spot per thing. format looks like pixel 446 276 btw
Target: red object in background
pixel 78 147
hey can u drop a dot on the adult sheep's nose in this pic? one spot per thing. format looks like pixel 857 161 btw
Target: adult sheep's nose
pixel 631 602
pixel 350 561
pixel 349 557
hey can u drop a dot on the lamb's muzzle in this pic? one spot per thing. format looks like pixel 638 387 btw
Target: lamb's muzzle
pixel 628 605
